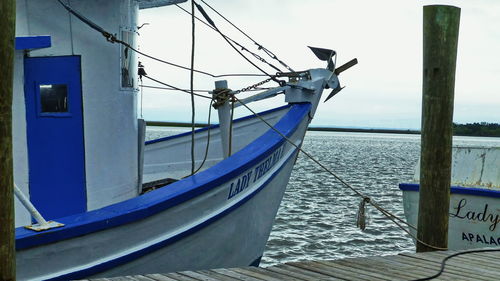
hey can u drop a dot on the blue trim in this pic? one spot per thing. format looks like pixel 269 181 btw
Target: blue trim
pixel 263 113
pixel 456 190
pixel 33 42
pixel 135 255
pixel 177 193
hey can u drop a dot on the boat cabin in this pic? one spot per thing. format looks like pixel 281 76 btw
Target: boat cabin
pixel 75 128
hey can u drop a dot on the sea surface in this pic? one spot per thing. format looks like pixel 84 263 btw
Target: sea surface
pixel 317 217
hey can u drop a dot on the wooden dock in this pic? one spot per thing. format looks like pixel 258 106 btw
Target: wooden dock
pixel 406 266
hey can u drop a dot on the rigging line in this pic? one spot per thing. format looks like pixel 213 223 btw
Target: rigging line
pixel 191 83
pixel 112 38
pixel 208 138
pixel 378 207
pixel 199 91
pixel 232 40
pixel 443 263
pixel 273 77
pixel 172 87
pixel 267 51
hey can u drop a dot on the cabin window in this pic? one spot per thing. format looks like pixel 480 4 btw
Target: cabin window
pixel 54 98
pixel 126 55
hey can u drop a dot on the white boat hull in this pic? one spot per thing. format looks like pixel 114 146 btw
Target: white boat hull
pixel 221 217
pixel 474 220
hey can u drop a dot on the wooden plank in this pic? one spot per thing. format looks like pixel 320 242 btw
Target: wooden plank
pixel 347 271
pixel 217 276
pixel 332 271
pixel 426 268
pixel 270 275
pixel 383 266
pixel 405 266
pixel 171 276
pixel 236 275
pixel 141 278
pixel 313 275
pixel 198 276
pixel 373 272
pixel 289 274
pixel 255 273
pixel 477 257
pixel 420 269
pixel 453 268
pixel 160 277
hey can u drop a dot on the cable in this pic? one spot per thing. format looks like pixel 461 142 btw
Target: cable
pixel 192 84
pixel 366 198
pixel 208 138
pixel 175 89
pixel 267 51
pixel 172 87
pixel 112 38
pixel 201 91
pixel 443 263
pixel 202 11
pixel 213 27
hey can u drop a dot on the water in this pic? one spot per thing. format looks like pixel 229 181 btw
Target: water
pixel 317 218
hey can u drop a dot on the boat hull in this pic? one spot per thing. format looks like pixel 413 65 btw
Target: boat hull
pixel 474 220
pixel 221 217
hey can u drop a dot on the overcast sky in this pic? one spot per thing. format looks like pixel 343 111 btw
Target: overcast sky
pixel 383 90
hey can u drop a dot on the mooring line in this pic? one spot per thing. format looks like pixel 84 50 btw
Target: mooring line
pixel 364 197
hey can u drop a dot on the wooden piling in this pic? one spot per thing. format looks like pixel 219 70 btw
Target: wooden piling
pixel 440 30
pixel 7 240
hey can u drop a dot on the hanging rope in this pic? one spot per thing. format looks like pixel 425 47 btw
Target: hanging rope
pixel 208 138
pixel 192 85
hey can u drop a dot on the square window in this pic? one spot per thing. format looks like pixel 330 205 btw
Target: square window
pixel 54 98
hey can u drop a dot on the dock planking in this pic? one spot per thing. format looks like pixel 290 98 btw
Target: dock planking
pixel 405 266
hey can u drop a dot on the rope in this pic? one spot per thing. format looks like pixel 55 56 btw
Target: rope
pixel 260 47
pixel 208 139
pixel 365 198
pixel 443 263
pixel 231 127
pixel 232 40
pixel 112 39
pixel 202 11
pixel 171 87
pixel 192 84
pixel 201 91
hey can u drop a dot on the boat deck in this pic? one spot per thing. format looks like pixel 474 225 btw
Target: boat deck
pixel 405 266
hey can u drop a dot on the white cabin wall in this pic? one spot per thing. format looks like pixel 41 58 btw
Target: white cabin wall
pixel 109 111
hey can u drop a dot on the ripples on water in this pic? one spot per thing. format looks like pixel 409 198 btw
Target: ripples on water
pixel 317 218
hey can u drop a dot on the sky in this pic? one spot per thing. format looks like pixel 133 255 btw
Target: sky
pixel 383 91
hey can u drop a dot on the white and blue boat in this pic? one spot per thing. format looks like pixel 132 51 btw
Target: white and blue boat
pixel 81 161
pixel 474 220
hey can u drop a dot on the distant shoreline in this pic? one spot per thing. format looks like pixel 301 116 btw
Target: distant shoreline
pixel 319 129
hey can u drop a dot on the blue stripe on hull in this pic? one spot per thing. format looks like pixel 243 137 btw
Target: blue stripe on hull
pixel 138 254
pixel 455 190
pixel 161 199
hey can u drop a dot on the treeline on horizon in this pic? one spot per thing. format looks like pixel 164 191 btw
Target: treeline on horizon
pixel 482 129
